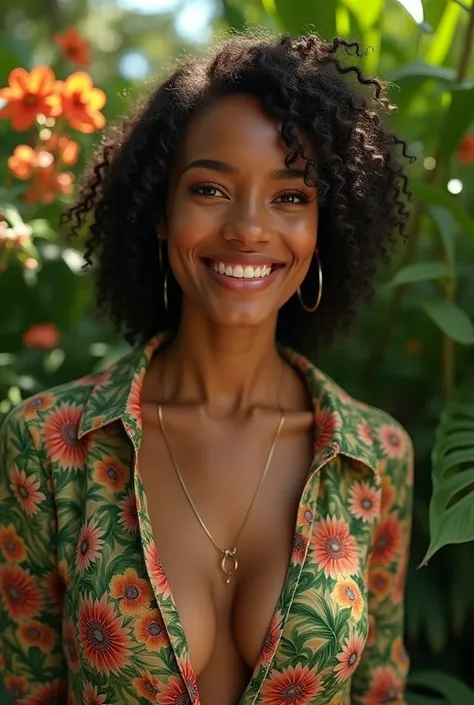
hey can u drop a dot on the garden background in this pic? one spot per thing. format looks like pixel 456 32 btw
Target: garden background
pixel 411 353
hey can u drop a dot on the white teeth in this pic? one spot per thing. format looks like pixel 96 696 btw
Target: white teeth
pixel 239 272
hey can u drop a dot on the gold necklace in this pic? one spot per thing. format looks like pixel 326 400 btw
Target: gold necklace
pixel 228 554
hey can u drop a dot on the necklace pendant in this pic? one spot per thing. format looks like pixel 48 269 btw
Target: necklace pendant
pixel 229 557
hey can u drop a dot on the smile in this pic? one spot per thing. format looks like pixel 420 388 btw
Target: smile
pixel 242 277
pixel 240 272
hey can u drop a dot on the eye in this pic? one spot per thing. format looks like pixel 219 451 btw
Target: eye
pixel 206 189
pixel 293 197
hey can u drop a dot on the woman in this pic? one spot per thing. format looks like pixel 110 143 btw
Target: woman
pixel 204 522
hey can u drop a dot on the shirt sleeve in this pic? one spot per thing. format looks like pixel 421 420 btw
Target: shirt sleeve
pixel 32 663
pixel 382 672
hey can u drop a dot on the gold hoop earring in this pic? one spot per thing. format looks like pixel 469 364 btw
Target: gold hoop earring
pixel 165 293
pixel 312 309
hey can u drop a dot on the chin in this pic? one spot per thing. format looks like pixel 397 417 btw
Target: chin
pixel 238 317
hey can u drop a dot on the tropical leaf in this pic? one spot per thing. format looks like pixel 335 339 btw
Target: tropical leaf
pixel 449 318
pixel 421 271
pixel 451 689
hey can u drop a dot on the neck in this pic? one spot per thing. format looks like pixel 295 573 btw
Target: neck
pixel 226 369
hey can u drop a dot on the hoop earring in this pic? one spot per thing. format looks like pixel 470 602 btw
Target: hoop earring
pixel 312 309
pixel 160 254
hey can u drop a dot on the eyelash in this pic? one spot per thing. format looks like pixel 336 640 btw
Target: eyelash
pixel 196 188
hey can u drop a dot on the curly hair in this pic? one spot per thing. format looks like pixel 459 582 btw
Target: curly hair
pixel 361 183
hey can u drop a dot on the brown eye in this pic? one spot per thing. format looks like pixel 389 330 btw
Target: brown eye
pixel 210 190
pixel 293 198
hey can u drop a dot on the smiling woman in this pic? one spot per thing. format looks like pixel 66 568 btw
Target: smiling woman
pixel 208 513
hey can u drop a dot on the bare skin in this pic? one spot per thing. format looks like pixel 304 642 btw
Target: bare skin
pixel 222 384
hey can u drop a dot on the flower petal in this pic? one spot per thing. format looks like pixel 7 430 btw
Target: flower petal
pixel 18 79
pixel 78 82
pixel 96 99
pixel 41 79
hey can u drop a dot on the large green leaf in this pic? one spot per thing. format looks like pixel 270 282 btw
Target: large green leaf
pixel 454 691
pixel 449 318
pixel 435 196
pixel 452 503
pixel 297 16
pixel 458 118
pixel 421 271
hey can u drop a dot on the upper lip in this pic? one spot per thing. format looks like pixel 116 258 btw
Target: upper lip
pixel 243 258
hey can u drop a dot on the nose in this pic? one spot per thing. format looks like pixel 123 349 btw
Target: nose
pixel 245 227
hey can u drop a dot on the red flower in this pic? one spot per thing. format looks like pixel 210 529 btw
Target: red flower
pixel 363 431
pixel 349 657
pixel 60 434
pixel 25 490
pixel 134 407
pixel 155 570
pixel 326 423
pixel 45 694
pixel 90 695
pixel 295 686
pixel 147 686
pixel 70 646
pixel 29 95
pixel 16 685
pixel 128 514
pixel 174 692
pixel 364 502
pixel 20 592
pixel 271 640
pixel 42 335
pixel 393 441
pixel 384 687
pixel 105 642
pixel 334 548
pixel 380 582
pixel 73 46
pixel 110 472
pixel 23 161
pixel 133 592
pixel 299 549
pixel 386 543
pixel 81 102
pixel 388 494
pixel 12 545
pixel 63 150
pixel 34 633
pixel 89 545
pixel 150 630
pixel 466 150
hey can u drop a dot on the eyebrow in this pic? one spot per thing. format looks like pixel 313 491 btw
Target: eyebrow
pixel 225 168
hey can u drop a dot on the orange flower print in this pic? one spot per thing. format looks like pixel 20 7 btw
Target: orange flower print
pixel 363 432
pixel 334 548
pixel 364 502
pixel 399 654
pixel 295 686
pixel 29 95
pixel 385 687
pixel 189 678
pixel 299 549
pixel 23 162
pixel 133 592
pixel 380 582
pixel 54 692
pixel 326 423
pixel 73 46
pixel 20 592
pixel 60 434
pixel 38 403
pixel 387 537
pixel 155 570
pixel 63 572
pixel 305 515
pixel 466 150
pixel 271 640
pixel 11 545
pixel 349 657
pixel 110 472
pixel 150 630
pixel 91 696
pixel 388 494
pixel 104 640
pixel 392 441
pixel 346 593
pixel 89 545
pixel 128 514
pixel 134 407
pixel 173 692
pixel 17 686
pixel 70 646
pixel 147 686
pixel 34 633
pixel 26 490
pixel 81 102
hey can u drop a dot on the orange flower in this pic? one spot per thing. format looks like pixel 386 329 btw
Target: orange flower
pixel 23 161
pixel 73 46
pixel 49 184
pixel 42 335
pixel 466 150
pixel 12 545
pixel 16 685
pixel 111 472
pixel 133 592
pixel 380 582
pixel 347 594
pixel 33 633
pixel 29 95
pixel 64 150
pixel 349 657
pixel 14 238
pixel 81 102
pixel 147 686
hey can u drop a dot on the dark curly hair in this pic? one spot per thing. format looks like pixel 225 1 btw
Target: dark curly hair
pixel 361 183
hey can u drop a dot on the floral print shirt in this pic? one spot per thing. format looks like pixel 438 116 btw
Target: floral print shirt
pixel 87 616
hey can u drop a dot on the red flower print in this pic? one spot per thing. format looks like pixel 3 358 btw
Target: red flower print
pixel 105 642
pixel 380 582
pixel 398 591
pixel 40 402
pixel 11 545
pixel 326 423
pixel 388 494
pixel 134 407
pixel 33 633
pixel 54 692
pixel 346 593
pixel 364 502
pixel 16 685
pixel 90 695
pixel 20 592
pixel 88 546
pixel 110 472
pixel 128 514
pixel 295 686
pixel 155 570
pixel 60 434
pixel 386 542
pixel 133 592
pixel 349 657
pixel 399 654
pixel 146 686
pixel 173 692
pixel 363 432
pixel 25 489
pixel 299 549
pixel 70 646
pixel 150 630
pixel 393 442
pixel 189 678
pixel 334 548
pixel 384 687
pixel 272 637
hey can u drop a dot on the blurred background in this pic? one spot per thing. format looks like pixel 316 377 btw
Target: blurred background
pixel 410 354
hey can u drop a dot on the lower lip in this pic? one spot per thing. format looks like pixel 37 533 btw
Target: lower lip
pixel 242 284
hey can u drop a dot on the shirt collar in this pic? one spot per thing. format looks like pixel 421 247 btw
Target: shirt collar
pixel 340 421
